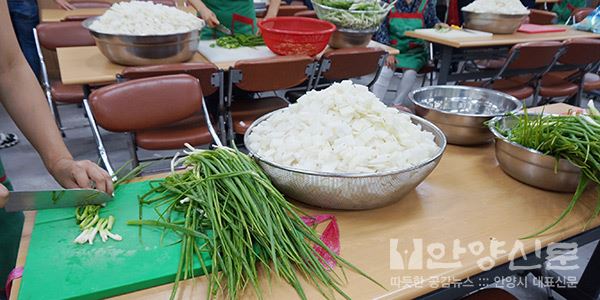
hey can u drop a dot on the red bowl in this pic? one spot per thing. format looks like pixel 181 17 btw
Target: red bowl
pixel 296 35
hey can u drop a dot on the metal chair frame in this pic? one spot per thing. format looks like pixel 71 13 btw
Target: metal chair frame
pixel 45 80
pixel 216 81
pixel 325 64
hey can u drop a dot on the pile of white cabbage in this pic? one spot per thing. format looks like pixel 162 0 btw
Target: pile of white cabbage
pixel 342 129
pixel 509 7
pixel 145 18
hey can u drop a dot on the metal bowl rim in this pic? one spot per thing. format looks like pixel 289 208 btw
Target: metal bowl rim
pixel 436 132
pixel 496 14
pixel 499 135
pixel 353 11
pixel 87 22
pixel 507 96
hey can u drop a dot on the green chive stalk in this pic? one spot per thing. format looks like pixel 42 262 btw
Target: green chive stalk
pixel 225 206
pixel 575 138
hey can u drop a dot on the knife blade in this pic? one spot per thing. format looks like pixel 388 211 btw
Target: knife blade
pixel 37 200
pixel 223 29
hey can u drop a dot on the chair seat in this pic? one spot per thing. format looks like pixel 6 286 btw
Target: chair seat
pixel 67 93
pixel 426 69
pixel 193 131
pixel 244 112
pixel 515 88
pixel 591 85
pixel 555 86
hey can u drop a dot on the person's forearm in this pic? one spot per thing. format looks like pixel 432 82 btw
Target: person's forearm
pixel 198 5
pixel 24 101
pixel 273 8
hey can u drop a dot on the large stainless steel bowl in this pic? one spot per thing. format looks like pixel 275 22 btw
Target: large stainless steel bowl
pixel 461 111
pixel 530 166
pixel 349 191
pixel 347 38
pixel 130 50
pixel 352 19
pixel 494 23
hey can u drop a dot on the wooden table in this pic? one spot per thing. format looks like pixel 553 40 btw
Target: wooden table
pixel 86 65
pixel 467 197
pixel 57 15
pixel 460 49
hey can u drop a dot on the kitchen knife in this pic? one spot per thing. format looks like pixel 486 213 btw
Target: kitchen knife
pixel 36 200
pixel 223 29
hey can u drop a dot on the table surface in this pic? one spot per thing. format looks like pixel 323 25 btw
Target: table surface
pixel 504 39
pixel 57 15
pixel 87 65
pixel 467 197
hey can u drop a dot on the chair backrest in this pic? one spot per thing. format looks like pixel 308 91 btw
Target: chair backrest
pixel 533 55
pixel 347 63
pixel 290 10
pixel 541 17
pixel 63 34
pixel 90 4
pixel 271 74
pixel 581 13
pixel 204 72
pixel 580 52
pixel 146 103
pixel 73 18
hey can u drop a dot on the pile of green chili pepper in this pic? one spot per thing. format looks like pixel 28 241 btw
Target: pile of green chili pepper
pixel 225 207
pixel 571 137
pixel 239 40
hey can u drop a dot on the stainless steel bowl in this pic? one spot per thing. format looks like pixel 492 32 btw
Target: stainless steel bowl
pixel 130 50
pixel 494 23
pixel 355 19
pixel 346 38
pixel 349 191
pixel 530 166
pixel 461 111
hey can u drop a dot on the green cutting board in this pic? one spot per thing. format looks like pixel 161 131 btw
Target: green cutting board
pixel 57 268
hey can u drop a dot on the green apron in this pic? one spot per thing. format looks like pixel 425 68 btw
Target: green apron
pixel 412 51
pixel 11 225
pixel 224 10
pixel 565 8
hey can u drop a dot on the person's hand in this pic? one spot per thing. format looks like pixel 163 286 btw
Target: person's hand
pixel 209 17
pixel 81 174
pixel 64 4
pixel 3 195
pixel 390 62
pixel 441 26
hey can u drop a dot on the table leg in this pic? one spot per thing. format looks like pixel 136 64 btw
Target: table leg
pixel 445 63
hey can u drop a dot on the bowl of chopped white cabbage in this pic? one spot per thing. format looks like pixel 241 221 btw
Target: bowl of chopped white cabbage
pixel 495 16
pixel 341 148
pixel 140 33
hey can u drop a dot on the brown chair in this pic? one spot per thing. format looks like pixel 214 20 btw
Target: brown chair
pixel 90 4
pixel 157 111
pixel 290 10
pixel 209 76
pixel 581 56
pixel 56 35
pixel 533 59
pixel 263 75
pixel 342 64
pixel 541 17
pixel 307 14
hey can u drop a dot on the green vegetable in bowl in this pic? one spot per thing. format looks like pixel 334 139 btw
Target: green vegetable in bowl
pixel 355 15
pixel 570 137
pixel 341 4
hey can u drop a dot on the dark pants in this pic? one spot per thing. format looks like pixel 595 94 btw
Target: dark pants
pixel 25 16
pixel 11 225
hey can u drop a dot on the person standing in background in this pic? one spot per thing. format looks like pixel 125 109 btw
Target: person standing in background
pixel 215 12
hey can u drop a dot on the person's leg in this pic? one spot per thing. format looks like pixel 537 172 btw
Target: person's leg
pixel 380 86
pixel 409 77
pixel 25 16
pixel 11 225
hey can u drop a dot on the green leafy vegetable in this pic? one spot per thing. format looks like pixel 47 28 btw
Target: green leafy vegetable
pixel 356 15
pixel 225 207
pixel 570 137
pixel 239 40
